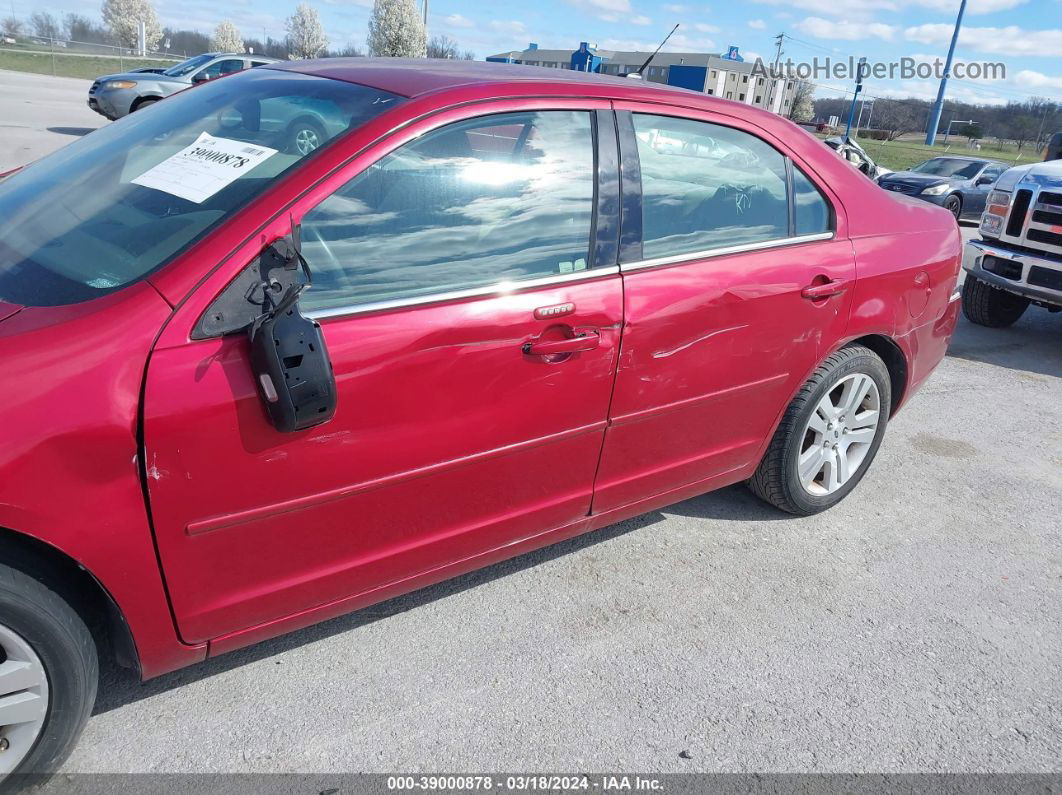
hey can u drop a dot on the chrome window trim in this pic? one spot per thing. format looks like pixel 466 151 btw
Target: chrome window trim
pixel 497 288
pixel 724 251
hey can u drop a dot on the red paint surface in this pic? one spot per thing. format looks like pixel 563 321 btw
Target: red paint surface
pixel 451 448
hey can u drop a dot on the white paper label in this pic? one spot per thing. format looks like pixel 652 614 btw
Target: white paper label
pixel 199 171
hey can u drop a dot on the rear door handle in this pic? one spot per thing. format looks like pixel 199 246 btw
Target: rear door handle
pixel 585 341
pixel 815 292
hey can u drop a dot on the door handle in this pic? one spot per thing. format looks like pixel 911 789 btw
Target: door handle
pixel 585 341
pixel 816 292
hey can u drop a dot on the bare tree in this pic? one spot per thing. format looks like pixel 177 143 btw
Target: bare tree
pixel 123 17
pixel 898 117
pixel 12 26
pixel 227 38
pixel 442 47
pixel 45 25
pixel 396 30
pixel 306 37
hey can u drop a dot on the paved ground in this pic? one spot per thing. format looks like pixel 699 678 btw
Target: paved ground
pixel 40 113
pixel 915 627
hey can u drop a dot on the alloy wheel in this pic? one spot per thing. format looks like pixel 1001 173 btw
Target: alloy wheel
pixel 306 140
pixel 23 699
pixel 839 434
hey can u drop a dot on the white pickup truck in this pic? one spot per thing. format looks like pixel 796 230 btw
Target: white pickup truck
pixel 1018 260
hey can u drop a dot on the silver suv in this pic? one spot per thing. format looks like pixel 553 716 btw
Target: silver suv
pixel 117 95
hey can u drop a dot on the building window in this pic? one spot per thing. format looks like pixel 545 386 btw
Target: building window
pixel 759 100
pixel 711 91
pixel 741 97
pixel 744 78
pixel 729 94
pixel 714 73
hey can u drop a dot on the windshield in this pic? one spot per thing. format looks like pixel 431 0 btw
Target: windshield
pixel 184 67
pixel 950 167
pixel 115 205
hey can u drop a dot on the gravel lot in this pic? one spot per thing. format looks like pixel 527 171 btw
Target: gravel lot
pixel 915 627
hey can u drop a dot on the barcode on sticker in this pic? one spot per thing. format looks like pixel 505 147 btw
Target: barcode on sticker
pixel 250 150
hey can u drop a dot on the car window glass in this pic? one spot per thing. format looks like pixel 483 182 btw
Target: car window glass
pixel 219 68
pixel 80 222
pixel 811 211
pixel 705 186
pixel 495 199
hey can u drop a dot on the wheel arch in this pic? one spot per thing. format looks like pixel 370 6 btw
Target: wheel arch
pixel 895 363
pixel 78 587
pixel 141 100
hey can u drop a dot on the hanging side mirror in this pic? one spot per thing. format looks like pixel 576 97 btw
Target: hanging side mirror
pixel 291 367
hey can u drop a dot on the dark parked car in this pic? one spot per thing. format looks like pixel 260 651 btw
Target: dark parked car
pixel 958 184
pixel 542 302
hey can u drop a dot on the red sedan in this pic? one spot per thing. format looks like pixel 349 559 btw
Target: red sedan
pixel 249 387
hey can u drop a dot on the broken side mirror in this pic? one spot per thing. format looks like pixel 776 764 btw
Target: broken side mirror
pixel 291 366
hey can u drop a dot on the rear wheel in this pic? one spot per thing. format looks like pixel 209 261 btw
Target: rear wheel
pixel 829 434
pixel 984 305
pixel 48 675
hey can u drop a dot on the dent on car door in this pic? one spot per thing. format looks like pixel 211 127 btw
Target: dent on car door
pixel 720 327
pixel 473 324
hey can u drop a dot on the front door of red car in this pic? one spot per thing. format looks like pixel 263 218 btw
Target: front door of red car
pixel 741 285
pixel 446 271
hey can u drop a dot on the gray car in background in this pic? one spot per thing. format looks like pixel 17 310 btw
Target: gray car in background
pixel 956 183
pixel 117 95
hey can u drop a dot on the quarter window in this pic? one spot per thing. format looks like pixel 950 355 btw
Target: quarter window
pixel 706 186
pixel 811 211
pixel 496 199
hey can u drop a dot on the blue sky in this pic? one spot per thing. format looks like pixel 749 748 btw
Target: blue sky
pixel 1025 35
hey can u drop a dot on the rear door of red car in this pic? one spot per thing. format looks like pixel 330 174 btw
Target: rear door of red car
pixel 720 326
pixel 440 257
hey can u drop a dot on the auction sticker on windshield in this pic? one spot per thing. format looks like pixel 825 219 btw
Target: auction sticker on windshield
pixel 199 171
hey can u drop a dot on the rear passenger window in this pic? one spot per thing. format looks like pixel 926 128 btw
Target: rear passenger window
pixel 811 210
pixel 495 199
pixel 706 186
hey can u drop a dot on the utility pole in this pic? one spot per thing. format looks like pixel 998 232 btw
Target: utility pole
pixel 938 106
pixel 425 16
pixel 855 96
pixel 772 85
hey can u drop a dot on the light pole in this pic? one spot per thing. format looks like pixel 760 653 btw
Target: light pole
pixel 938 106
pixel 855 96
pixel 947 132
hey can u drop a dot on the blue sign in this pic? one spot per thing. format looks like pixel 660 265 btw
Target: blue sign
pixel 732 54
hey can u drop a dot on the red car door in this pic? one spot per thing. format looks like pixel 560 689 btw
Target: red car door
pixel 739 286
pixel 472 314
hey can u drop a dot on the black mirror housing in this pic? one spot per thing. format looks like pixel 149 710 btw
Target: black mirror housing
pixel 291 367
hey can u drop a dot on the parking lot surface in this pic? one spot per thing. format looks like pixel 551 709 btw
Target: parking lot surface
pixel 39 114
pixel 915 627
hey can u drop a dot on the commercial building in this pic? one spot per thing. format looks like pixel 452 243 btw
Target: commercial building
pixel 723 75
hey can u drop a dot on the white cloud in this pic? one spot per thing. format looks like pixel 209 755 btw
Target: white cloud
pixel 927 90
pixel 849 31
pixel 458 21
pixel 866 9
pixel 622 6
pixel 973 7
pixel 757 24
pixel 705 28
pixel 640 19
pixel 511 26
pixel 1011 40
pixel 751 56
pixel 675 8
pixel 678 43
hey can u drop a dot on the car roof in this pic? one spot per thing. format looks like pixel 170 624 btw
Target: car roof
pixel 971 158
pixel 412 77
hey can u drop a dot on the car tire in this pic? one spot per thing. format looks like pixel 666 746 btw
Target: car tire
pixel 986 305
pixel 304 136
pixel 848 441
pixel 143 103
pixel 48 696
pixel 953 204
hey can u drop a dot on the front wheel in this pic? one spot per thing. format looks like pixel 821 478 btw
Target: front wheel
pixel 304 136
pixel 48 675
pixel 953 204
pixel 829 434
pixel 984 305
